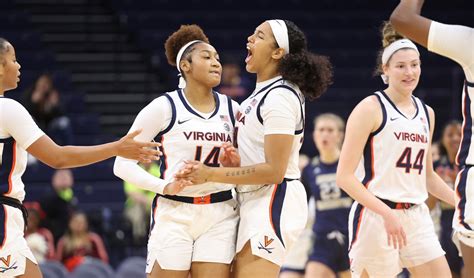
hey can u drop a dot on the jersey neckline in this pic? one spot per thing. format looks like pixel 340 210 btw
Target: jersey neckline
pixel 396 108
pixel 197 113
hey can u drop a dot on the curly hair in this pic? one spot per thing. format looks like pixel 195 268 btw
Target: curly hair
pixel 312 73
pixel 178 39
pixel 389 35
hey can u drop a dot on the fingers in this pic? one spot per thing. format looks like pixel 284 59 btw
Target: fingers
pixel 133 134
pixel 149 144
pixel 404 238
pixel 150 152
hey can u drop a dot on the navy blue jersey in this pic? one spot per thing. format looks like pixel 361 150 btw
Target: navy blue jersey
pixel 332 203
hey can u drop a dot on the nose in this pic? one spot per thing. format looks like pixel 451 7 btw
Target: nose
pixel 19 66
pixel 250 38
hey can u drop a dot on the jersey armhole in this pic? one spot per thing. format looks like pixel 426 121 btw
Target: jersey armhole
pixel 384 117
pixel 231 110
pixel 173 117
pixel 426 112
pixel 259 115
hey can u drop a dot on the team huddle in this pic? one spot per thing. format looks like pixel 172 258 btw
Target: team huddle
pixel 231 200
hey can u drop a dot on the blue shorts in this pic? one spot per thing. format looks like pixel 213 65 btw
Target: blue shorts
pixel 333 252
pixel 452 254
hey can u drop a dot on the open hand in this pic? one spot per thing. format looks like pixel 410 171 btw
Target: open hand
pixel 396 236
pixel 144 152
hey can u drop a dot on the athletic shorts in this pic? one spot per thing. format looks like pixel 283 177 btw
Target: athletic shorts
pixel 331 250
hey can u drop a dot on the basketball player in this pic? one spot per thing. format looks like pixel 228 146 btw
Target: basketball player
pixel 193 229
pixel 447 169
pixel 455 42
pixel 19 134
pixel 273 206
pixel 389 225
pixel 329 256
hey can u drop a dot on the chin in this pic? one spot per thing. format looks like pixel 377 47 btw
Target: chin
pixel 249 69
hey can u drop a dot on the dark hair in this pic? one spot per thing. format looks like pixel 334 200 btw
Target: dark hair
pixel 389 35
pixel 442 149
pixel 178 39
pixel 3 48
pixel 310 72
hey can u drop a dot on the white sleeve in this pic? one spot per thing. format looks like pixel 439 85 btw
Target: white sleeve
pixel 154 118
pixel 455 42
pixel 18 123
pixel 280 112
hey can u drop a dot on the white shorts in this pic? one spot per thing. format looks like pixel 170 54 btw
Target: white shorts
pixel 182 233
pixel 13 251
pixel 297 256
pixel 272 218
pixel 369 249
pixel 463 219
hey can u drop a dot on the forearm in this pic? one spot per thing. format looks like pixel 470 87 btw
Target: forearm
pixel 358 192
pixel 76 156
pixel 439 189
pixel 263 173
pixel 129 171
pixel 406 19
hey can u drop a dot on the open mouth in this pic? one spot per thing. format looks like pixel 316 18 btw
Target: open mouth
pixel 249 55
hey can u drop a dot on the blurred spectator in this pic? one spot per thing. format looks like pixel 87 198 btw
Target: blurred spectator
pixel 79 243
pixel 39 239
pixel 59 206
pixel 138 205
pixel 43 103
pixel 233 84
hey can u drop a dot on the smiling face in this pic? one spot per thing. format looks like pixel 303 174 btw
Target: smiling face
pixel 9 68
pixel 203 66
pixel 262 49
pixel 452 137
pixel 403 70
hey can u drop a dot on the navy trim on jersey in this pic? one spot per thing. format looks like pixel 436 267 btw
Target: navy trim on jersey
pixel 467 129
pixel 154 203
pixel 192 111
pixel 368 161
pixel 461 188
pixel 173 116
pixel 259 115
pixel 356 223
pixel 265 88
pixel 469 84
pixel 394 106
pixel 384 117
pixel 276 208
pixel 231 110
pixel 7 164
pixel 425 108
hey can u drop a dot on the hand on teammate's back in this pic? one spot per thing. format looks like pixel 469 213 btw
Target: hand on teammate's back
pixel 144 152
pixel 229 157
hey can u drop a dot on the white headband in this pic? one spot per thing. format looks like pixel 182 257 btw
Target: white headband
pixel 182 82
pixel 280 32
pixel 394 47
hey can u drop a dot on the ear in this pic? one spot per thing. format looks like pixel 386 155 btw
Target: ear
pixel 278 53
pixel 185 65
pixel 385 69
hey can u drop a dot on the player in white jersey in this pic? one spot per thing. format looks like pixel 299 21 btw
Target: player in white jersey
pixel 273 208
pixel 457 43
pixel 391 131
pixel 192 229
pixel 19 134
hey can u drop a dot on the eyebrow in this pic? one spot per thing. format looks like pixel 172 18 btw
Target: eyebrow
pixel 209 52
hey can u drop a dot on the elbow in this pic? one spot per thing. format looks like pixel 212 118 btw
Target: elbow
pixel 276 178
pixel 398 18
pixel 341 180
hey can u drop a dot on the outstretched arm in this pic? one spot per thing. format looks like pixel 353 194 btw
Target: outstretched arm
pixel 406 19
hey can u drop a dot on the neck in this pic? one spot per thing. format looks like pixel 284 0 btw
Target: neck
pixel 268 72
pixel 329 156
pixel 197 93
pixel 399 97
pixel 451 155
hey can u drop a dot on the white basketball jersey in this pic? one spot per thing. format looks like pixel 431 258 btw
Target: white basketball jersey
pixel 250 130
pixel 17 132
pixel 192 135
pixel 394 159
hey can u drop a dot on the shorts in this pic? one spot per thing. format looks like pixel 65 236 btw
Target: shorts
pixel 272 218
pixel 369 248
pixel 13 250
pixel 182 233
pixel 331 250
pixel 452 255
pixel 463 219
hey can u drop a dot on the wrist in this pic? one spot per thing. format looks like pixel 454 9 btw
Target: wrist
pixel 211 174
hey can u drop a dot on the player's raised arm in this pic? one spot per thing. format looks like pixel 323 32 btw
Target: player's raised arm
pixel 406 19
